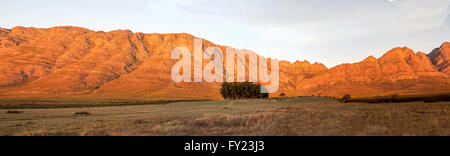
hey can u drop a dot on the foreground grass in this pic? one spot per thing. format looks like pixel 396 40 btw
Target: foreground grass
pixel 303 116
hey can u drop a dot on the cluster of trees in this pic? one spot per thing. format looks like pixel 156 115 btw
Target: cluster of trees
pixel 242 90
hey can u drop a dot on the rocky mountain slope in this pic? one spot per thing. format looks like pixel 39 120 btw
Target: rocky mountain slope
pixel 77 62
pixel 440 57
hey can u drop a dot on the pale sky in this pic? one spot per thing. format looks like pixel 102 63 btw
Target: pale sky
pixel 326 31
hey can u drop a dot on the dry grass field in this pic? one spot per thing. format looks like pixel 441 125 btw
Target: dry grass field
pixel 291 117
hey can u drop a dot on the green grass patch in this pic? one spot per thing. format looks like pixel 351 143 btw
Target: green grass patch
pixel 51 104
pixel 428 98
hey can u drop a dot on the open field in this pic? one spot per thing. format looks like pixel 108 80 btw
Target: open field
pixel 296 116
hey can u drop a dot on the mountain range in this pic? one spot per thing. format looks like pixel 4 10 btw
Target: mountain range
pixel 78 62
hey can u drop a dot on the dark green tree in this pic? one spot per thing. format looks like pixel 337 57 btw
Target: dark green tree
pixel 346 98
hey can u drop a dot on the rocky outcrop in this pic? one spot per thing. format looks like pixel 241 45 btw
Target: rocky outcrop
pixel 440 57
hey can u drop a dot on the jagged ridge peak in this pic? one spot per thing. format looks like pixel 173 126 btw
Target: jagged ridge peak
pixel 76 28
pixel 399 52
pixel 370 59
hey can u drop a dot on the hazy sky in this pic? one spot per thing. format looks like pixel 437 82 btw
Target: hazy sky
pixel 327 31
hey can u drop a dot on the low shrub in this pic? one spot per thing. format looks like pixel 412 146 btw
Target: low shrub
pixel 346 98
pixel 82 113
pixel 14 112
